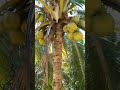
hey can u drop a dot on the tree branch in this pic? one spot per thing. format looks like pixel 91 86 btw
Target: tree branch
pixel 103 61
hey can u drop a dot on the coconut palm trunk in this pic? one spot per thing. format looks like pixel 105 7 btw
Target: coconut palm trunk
pixel 57 76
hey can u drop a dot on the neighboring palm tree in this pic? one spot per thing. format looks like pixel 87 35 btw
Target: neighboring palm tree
pixel 12 61
pixel 102 58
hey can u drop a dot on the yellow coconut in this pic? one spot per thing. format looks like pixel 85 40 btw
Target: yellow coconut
pixel 75 19
pixel 11 21
pixel 69 36
pixel 82 23
pixel 41 42
pixel 77 36
pixel 65 29
pixel 36 15
pixel 72 27
pixel 39 35
pixel 103 24
pixel 44 37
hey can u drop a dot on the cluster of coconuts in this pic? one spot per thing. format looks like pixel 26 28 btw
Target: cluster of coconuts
pixel 41 37
pixel 71 30
pixel 12 24
pixel 97 19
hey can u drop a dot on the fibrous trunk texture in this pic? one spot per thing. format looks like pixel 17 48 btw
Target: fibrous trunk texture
pixel 57 76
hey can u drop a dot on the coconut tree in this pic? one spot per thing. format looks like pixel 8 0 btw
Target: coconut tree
pixel 101 55
pixel 14 24
pixel 54 26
